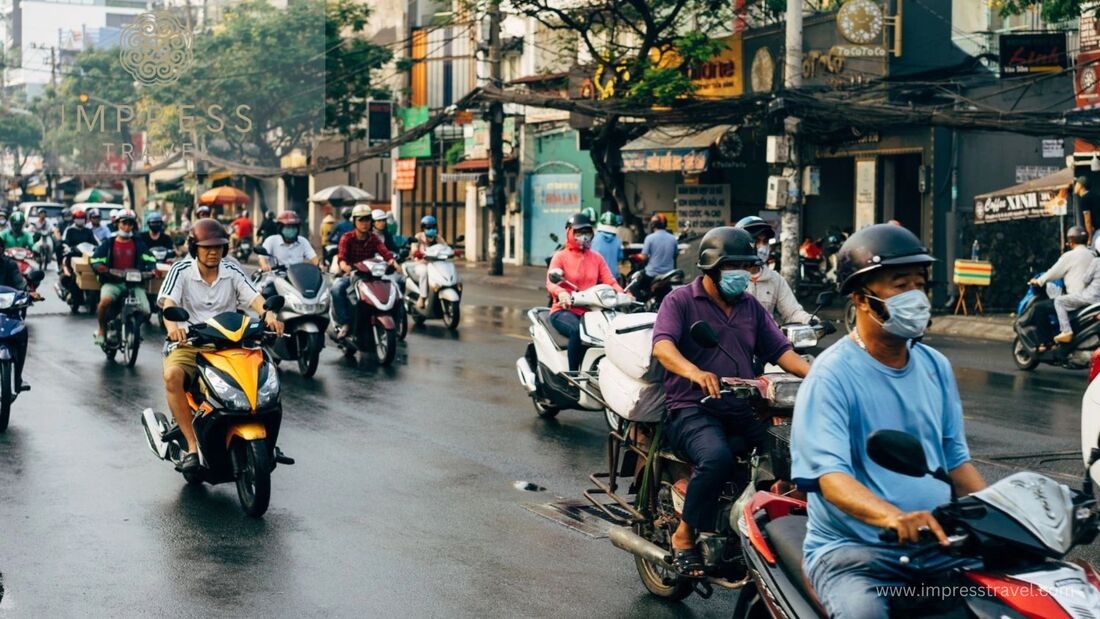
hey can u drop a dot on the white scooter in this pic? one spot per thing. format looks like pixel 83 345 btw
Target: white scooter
pixel 444 288
pixel 544 368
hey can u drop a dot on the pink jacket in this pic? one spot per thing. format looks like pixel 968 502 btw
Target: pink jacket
pixel 583 268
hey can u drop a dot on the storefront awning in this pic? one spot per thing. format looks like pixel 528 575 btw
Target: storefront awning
pixel 1042 197
pixel 672 149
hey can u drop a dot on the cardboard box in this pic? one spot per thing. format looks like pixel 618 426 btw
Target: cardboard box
pixel 85 277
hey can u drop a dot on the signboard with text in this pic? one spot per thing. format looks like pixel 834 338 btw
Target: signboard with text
pixel 551 199
pixel 1023 54
pixel 702 207
pixel 422 146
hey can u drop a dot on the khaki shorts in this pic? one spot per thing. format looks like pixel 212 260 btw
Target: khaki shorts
pixel 185 358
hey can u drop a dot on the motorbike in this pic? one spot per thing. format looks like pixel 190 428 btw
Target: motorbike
pixel 25 258
pixel 124 330
pixel 1021 528
pixel 652 295
pixel 644 489
pixel 243 250
pixel 1030 334
pixel 235 403
pixel 375 312
pixel 43 249
pixel 166 257
pixel 444 289
pixel 66 283
pixel 304 313
pixel 544 368
pixel 13 316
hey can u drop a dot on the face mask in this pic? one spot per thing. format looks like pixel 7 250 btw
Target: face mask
pixel 156 227
pixel 733 284
pixel 430 233
pixel 76 222
pixel 289 234
pixel 125 235
pixel 909 314
pixel 584 240
pixel 763 251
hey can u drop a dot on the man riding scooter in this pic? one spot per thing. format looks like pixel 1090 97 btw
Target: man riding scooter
pixel 75 235
pixel 355 247
pixel 16 235
pixel 121 253
pixel 658 251
pixel 767 286
pixel 286 248
pixel 582 268
pixel 879 377
pixel 155 235
pixel 712 435
pixel 418 270
pixel 1072 266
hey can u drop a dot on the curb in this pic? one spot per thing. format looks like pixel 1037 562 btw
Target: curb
pixel 994 328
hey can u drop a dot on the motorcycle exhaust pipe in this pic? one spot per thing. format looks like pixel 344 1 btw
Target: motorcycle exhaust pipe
pixel 625 539
pixel 526 376
pixel 153 432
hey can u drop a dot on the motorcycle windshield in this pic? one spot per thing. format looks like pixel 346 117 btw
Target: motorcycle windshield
pixel 306 278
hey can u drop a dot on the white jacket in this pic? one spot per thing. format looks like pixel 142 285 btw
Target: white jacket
pixel 773 292
pixel 1072 266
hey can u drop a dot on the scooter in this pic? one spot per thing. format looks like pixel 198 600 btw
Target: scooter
pixel 25 258
pixel 1030 334
pixel 43 249
pixel 304 313
pixel 235 404
pixel 13 316
pixel 124 330
pixel 544 368
pixel 375 307
pixel 444 289
pixel 658 288
pixel 647 509
pixel 1021 527
pixel 244 250
pixel 66 283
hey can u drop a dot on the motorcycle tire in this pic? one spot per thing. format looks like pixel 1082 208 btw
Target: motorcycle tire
pixel 749 604
pixel 7 395
pixel 403 321
pixel 452 315
pixel 615 423
pixel 1025 359
pixel 309 353
pixel 543 410
pixel 385 344
pixel 661 581
pixel 131 340
pixel 254 476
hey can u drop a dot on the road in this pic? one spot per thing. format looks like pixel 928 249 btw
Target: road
pixel 404 500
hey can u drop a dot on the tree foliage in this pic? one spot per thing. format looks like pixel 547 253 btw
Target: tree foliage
pixel 351 62
pixel 1053 11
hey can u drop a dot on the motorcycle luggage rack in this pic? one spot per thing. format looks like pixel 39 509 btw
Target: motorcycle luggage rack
pixel 607 483
pixel 587 383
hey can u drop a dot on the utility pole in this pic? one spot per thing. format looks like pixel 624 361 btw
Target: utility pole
pixel 496 144
pixel 790 226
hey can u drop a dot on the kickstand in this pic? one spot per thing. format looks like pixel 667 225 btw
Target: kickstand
pixel 281 458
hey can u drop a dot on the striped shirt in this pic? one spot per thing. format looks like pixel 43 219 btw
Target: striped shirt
pixel 186 287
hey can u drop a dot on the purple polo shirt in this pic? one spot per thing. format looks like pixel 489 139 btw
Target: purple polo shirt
pixel 748 331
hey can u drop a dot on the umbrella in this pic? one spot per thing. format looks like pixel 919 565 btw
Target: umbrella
pixel 94 195
pixel 224 195
pixel 340 194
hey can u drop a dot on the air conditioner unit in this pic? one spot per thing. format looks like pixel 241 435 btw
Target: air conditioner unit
pixel 777 150
pixel 778 192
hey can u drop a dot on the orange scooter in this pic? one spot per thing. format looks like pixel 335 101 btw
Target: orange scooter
pixel 234 401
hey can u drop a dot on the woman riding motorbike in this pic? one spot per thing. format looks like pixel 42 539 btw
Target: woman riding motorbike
pixel 428 236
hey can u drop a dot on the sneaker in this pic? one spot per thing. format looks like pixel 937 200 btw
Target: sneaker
pixel 189 463
pixel 1064 337
pixel 99 339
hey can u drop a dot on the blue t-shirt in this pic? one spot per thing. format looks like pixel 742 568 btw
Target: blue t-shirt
pixel 608 245
pixel 847 396
pixel 660 246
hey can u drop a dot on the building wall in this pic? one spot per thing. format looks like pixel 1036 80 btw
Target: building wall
pixel 553 152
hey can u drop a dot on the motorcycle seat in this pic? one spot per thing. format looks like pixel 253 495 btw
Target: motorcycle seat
pixel 1075 315
pixel 786 535
pixel 561 341
pixel 671 275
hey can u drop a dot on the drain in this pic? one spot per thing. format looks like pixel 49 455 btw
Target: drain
pixel 527 486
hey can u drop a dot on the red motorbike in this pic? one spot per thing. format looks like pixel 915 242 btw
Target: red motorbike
pixel 1021 528
pixel 24 257
pixel 375 312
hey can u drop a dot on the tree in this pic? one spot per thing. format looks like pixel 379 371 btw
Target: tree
pixel 1052 10
pixel 22 137
pixel 350 64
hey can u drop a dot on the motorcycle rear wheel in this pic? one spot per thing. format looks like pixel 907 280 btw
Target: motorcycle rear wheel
pixel 451 314
pixel 6 395
pixel 385 344
pixel 654 577
pixel 1024 359
pixel 254 479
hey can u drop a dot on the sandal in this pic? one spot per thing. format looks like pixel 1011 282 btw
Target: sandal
pixel 688 562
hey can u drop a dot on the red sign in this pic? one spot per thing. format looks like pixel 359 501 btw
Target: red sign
pixel 1086 82
pixel 404 176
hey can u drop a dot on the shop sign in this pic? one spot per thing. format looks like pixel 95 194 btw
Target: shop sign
pixel 1023 54
pixel 1046 203
pixel 702 207
pixel 665 160
pixel 404 178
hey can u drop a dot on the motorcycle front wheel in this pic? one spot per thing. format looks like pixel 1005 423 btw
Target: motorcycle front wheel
pixel 7 394
pixel 131 339
pixel 451 314
pixel 309 352
pixel 385 344
pixel 254 478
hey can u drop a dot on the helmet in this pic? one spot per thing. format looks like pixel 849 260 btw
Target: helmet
pixel 124 215
pixel 78 213
pixel 17 219
pixel 427 221
pixel 578 220
pixel 1078 235
pixel 207 232
pixel 874 247
pixel 756 226
pixel 378 215
pixel 41 211
pixel 658 221
pixel 202 211
pixel 93 213
pixel 114 215
pixel 726 244
pixel 66 214
pixel 288 218
pixel 268 215
pixel 590 212
pixel 155 222
pixel 360 210
pixel 346 212
pixel 610 219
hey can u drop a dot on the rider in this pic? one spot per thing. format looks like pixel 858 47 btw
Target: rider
pixel 328 223
pixel 712 435
pixel 16 235
pixel 362 244
pixel 155 236
pixel 880 377
pixel 47 233
pixel 4 226
pixel 607 243
pixel 767 286
pixel 582 268
pixel 658 251
pixel 12 278
pixel 119 254
pixel 74 235
pixel 1073 266
pixel 205 284
pixel 417 270
pixel 343 227
pixel 286 248
pixel 242 228
pixel 268 227
pixel 99 229
pixel 380 223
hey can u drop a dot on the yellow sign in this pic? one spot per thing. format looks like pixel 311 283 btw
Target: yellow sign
pixel 720 77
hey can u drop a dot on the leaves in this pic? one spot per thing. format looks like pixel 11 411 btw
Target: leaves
pixel 1053 11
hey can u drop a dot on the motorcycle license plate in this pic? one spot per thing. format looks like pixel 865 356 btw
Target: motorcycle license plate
pixel 133 276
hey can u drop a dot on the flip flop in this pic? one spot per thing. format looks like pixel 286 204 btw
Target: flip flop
pixel 686 561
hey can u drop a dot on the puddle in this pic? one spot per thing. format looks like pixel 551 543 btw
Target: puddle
pixel 527 486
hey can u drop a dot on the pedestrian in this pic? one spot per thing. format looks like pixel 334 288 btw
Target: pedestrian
pixel 607 243
pixel 1088 203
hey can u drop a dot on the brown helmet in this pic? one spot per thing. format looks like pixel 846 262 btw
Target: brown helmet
pixel 207 233
pixel 288 218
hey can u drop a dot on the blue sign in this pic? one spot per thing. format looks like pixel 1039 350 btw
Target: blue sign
pixel 551 199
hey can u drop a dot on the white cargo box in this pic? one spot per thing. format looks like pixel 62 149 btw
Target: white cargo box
pixel 631 398
pixel 629 345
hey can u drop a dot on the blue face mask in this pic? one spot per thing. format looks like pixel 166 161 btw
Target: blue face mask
pixel 909 314
pixel 430 233
pixel 733 284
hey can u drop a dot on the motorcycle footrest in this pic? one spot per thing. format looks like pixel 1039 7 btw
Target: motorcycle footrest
pixel 23 388
pixel 282 458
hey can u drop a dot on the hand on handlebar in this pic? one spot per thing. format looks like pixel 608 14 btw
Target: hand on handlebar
pixel 1033 282
pixel 911 526
pixel 565 299
pixel 708 382
pixel 273 323
pixel 35 296
pixel 177 333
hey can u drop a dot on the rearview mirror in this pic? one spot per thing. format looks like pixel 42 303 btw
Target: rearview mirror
pixel 35 276
pixel 460 238
pixel 259 250
pixel 554 237
pixel 175 314
pixel 556 276
pixel 274 303
pixel 898 452
pixel 825 299
pixel 704 334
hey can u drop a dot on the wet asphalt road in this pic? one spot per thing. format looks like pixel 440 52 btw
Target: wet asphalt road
pixel 402 502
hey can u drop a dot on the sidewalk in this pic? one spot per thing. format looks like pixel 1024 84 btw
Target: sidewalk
pixel 526 277
pixel 995 327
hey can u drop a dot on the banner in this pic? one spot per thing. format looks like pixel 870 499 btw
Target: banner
pixel 551 199
pixel 1023 54
pixel 404 176
pixel 702 207
pixel 421 147
pixel 1042 203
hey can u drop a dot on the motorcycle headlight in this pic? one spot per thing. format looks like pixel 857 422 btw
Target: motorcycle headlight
pixel 269 390
pixel 7 299
pixel 229 395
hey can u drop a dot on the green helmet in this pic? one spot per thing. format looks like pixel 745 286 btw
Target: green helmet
pixel 609 219
pixel 589 212
pixel 17 219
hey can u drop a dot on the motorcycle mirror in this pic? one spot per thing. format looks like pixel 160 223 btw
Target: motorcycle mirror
pixel 554 237
pixel 704 334
pixel 259 250
pixel 35 276
pixel 175 314
pixel 275 303
pixel 825 299
pixel 898 452
pixel 556 276
pixel 461 238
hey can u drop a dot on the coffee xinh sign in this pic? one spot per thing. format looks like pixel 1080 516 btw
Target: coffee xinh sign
pixel 1022 54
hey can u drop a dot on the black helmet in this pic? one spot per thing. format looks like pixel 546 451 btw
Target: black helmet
pixel 875 247
pixel 756 226
pixel 726 244
pixel 346 212
pixel 578 220
pixel 1078 235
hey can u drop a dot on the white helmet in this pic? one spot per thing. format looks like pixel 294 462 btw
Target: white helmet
pixel 360 210
pixel 378 215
